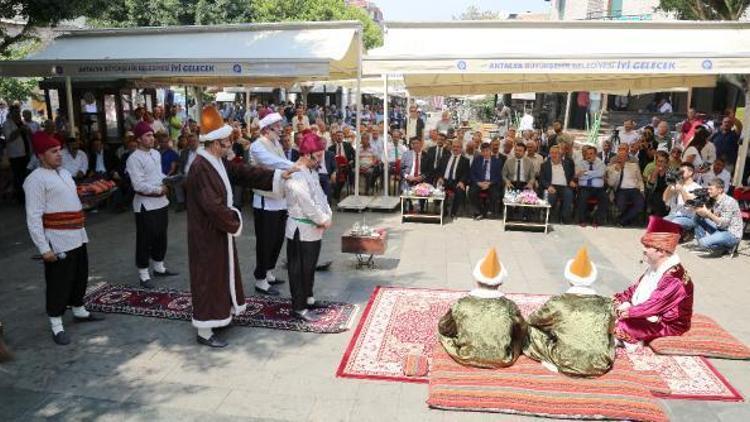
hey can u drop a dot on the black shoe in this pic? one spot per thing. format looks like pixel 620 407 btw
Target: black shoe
pixel 478 217
pixel 272 291
pixel 147 284
pixel 61 338
pixel 166 273
pixel 277 281
pixel 91 318
pixel 214 342
pixel 305 316
pixel 324 266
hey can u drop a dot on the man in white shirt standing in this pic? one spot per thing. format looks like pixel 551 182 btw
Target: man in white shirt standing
pixel 717 171
pixel 269 210
pixel 150 205
pixel 300 119
pixel 309 217
pixel 629 135
pixel 55 220
pixel 74 160
pixel 624 177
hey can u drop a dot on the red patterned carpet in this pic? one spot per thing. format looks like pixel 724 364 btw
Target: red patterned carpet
pixel 262 311
pixel 402 321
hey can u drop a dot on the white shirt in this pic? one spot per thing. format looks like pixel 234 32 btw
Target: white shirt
pixel 650 280
pixel 144 168
pixel 450 169
pixel 307 201
pixel 99 165
pixel 411 127
pixel 392 152
pixel 558 175
pixel 697 161
pixel 269 154
pixel 710 175
pixel 49 191
pixel 677 204
pixel 520 175
pixel 79 163
pixel 158 126
pixel 527 122
pixel 296 120
pixel 629 137
pixel 665 108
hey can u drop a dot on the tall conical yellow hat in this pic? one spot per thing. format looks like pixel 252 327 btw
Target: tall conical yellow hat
pixel 491 266
pixel 580 271
pixel 581 265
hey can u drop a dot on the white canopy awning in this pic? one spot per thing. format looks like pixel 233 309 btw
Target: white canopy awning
pixel 511 56
pixel 257 54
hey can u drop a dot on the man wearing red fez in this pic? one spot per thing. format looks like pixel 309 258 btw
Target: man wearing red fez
pixel 660 302
pixel 213 223
pixel 55 220
pixel 150 205
pixel 309 216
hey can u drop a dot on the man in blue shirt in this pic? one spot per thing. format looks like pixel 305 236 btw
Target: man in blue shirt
pixel 726 141
pixel 590 173
pixel 169 156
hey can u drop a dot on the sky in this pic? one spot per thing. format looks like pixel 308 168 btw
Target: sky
pixel 442 10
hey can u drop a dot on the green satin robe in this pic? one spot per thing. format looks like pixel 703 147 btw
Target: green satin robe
pixel 575 333
pixel 488 333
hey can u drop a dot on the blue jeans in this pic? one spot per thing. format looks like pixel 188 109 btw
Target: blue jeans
pixel 711 237
pixel 687 223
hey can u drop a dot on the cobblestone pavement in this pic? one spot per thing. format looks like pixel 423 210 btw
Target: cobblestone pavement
pixel 131 368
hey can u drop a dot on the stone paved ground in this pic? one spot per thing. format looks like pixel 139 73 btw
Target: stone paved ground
pixel 131 368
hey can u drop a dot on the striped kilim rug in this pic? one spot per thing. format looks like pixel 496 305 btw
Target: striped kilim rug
pixel 262 311
pixel 527 388
pixel 399 322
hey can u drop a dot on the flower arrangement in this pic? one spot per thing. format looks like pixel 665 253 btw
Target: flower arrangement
pixel 423 189
pixel 527 196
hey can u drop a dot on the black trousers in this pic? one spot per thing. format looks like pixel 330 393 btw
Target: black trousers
pixel 490 204
pixel 18 168
pixel 302 257
pixel 150 235
pixel 325 184
pixel 66 281
pixel 459 196
pixel 269 237
pixel 584 193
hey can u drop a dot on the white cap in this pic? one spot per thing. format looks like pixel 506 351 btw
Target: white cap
pixel 270 119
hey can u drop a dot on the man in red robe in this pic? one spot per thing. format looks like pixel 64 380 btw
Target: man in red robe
pixel 213 223
pixel 660 302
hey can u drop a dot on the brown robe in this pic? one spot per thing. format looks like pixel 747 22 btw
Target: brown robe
pixel 209 220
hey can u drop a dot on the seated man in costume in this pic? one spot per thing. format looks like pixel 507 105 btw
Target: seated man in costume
pixel 484 329
pixel 572 332
pixel 660 302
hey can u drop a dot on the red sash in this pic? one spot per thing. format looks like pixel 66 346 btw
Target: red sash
pixel 72 220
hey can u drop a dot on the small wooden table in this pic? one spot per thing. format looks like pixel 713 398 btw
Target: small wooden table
pixel 544 206
pixel 365 247
pixel 441 208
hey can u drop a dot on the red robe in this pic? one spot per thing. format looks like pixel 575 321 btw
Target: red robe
pixel 671 302
pixel 210 219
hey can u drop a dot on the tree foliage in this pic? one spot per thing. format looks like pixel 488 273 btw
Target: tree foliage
pixel 18 89
pixel 473 13
pixel 705 10
pixel 34 14
pixel 131 13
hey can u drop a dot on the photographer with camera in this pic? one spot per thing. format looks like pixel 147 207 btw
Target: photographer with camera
pixel 718 223
pixel 680 185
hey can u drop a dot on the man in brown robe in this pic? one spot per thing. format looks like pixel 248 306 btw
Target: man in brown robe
pixel 215 280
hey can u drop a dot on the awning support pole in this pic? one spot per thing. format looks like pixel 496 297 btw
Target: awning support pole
pixel 385 136
pixel 69 102
pixel 567 110
pixel 358 110
pixel 742 153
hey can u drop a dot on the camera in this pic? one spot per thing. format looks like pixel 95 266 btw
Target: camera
pixel 672 176
pixel 701 198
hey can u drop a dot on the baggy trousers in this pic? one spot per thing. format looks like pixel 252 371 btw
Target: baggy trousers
pixel 150 235
pixel 302 257
pixel 269 237
pixel 66 281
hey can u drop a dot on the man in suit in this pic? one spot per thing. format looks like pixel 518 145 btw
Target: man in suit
pixel 436 155
pixel 557 178
pixel 454 175
pixel 412 166
pixel 102 161
pixel 187 155
pixel 290 153
pixel 624 176
pixel 414 125
pixel 486 176
pixel 327 172
pixel 518 170
pixel 606 154
pixel 343 154
pixel 590 173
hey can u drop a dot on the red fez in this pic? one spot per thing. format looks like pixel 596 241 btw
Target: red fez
pixel 310 143
pixel 142 128
pixel 42 142
pixel 662 234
